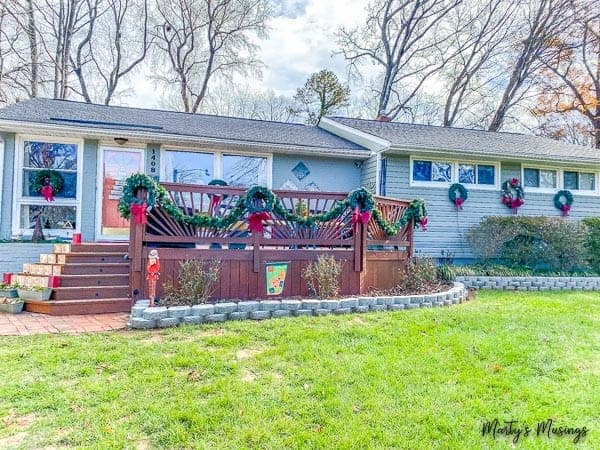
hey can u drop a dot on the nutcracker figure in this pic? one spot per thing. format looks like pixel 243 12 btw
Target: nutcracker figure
pixel 152 274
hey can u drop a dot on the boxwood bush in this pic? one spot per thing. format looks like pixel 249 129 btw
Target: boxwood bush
pixel 593 242
pixel 534 242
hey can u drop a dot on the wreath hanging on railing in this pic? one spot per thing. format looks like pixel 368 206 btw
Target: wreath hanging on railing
pixel 563 201
pixel 47 182
pixel 260 202
pixel 512 194
pixel 458 195
pixel 130 205
pixel 362 203
pixel 215 200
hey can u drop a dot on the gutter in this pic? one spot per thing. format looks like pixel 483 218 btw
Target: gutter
pixel 167 138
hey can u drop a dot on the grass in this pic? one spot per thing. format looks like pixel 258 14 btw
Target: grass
pixel 411 379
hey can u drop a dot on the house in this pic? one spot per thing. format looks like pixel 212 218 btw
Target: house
pixel 95 147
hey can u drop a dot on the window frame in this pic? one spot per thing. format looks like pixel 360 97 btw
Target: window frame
pixel 20 200
pixel 217 159
pixel 560 180
pixel 454 163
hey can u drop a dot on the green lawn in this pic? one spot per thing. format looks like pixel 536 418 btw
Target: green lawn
pixel 409 379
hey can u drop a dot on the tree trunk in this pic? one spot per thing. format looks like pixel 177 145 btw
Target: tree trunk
pixel 33 51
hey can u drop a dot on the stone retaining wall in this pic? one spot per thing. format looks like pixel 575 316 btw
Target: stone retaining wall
pixel 532 283
pixel 144 317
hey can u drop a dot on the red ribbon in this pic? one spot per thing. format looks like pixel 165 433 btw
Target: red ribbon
pixel 138 210
pixel 360 217
pixel 458 202
pixel 565 210
pixel 516 204
pixel 423 223
pixel 214 202
pixel 48 192
pixel 255 221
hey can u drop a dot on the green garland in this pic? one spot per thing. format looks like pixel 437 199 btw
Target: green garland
pixel 52 176
pixel 246 203
pixel 416 210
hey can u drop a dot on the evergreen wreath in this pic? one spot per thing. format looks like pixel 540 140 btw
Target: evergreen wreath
pixel 362 199
pixel 260 199
pixel 563 201
pixel 512 194
pixel 135 182
pixel 47 176
pixel 462 196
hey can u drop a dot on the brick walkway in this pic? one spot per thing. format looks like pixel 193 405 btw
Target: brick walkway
pixel 30 323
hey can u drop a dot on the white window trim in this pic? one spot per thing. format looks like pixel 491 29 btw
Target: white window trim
pixel 560 180
pixel 217 160
pixel 455 163
pixel 19 199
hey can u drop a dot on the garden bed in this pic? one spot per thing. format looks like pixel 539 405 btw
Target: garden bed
pixel 145 317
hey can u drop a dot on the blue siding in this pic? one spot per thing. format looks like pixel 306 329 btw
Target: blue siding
pixel 88 193
pixel 328 174
pixel 368 175
pixel 447 227
pixel 8 167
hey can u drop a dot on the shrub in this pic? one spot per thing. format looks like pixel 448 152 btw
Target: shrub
pixel 531 242
pixel 323 277
pixel 420 275
pixel 592 243
pixel 195 283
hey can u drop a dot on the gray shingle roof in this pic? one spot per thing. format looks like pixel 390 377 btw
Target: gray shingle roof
pixel 497 144
pixel 84 115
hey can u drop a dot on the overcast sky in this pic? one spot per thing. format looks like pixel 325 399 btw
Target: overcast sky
pixel 301 42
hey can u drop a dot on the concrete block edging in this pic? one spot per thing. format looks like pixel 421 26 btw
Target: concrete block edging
pixel 144 317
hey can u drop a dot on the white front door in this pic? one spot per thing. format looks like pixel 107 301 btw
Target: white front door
pixel 115 165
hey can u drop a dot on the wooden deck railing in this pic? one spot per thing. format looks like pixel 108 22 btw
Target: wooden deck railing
pixel 339 235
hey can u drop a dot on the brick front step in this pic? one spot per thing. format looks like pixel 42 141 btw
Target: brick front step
pixel 85 306
pixel 89 292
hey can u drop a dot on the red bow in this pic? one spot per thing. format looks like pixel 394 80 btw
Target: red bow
pixel 48 192
pixel 214 202
pixel 255 221
pixel 360 217
pixel 139 213
pixel 565 210
pixel 458 202
pixel 516 204
pixel 423 223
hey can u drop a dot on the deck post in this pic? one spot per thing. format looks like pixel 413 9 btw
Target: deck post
pixel 136 234
pixel 256 237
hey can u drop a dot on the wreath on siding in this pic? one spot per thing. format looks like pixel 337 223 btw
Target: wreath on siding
pixel 563 201
pixel 458 195
pixel 130 205
pixel 47 182
pixel 512 194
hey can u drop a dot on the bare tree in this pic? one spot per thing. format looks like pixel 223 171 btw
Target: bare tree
pixel 571 81
pixel 201 39
pixel 115 43
pixel 322 94
pixel 240 100
pixel 544 19
pixel 404 39
pixel 482 31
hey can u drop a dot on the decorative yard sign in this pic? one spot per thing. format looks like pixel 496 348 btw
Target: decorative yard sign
pixel 276 272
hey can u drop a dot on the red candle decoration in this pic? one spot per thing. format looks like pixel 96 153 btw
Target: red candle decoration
pixel 53 281
pixel 7 278
pixel 76 238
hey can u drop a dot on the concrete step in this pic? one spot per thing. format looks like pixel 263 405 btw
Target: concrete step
pixel 94 292
pixel 84 306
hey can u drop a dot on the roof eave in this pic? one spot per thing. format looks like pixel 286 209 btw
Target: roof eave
pixel 401 149
pixel 372 142
pixel 173 139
